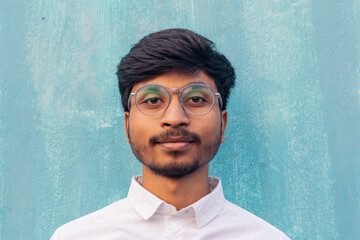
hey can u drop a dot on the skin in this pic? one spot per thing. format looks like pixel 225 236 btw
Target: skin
pixel 176 152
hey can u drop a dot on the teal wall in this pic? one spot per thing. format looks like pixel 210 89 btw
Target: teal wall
pixel 292 150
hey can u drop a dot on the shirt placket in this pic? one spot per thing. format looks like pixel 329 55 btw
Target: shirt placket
pixel 171 224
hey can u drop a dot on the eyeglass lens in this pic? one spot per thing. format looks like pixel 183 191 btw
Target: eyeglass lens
pixel 154 99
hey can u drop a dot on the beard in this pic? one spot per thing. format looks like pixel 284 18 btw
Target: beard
pixel 146 154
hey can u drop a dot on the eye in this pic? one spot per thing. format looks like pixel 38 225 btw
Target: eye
pixel 196 99
pixel 152 100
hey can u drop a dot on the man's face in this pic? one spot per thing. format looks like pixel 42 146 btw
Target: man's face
pixel 174 143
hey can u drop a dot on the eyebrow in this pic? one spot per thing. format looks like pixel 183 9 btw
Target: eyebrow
pixel 152 90
pixel 199 82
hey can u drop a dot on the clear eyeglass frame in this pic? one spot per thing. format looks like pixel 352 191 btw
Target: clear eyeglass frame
pixel 179 91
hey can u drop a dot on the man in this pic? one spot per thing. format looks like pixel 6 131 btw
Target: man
pixel 174 89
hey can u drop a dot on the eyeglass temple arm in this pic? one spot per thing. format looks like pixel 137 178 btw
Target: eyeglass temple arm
pixel 218 95
pixel 131 94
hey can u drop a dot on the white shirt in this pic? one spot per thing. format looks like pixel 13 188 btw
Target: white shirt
pixel 142 215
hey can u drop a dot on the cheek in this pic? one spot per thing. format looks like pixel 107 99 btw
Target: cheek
pixel 209 127
pixel 140 128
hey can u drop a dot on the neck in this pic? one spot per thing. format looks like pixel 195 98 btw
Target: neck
pixel 179 192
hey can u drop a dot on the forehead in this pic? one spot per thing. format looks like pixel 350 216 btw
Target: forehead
pixel 177 80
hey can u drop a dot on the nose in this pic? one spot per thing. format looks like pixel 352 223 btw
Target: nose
pixel 175 116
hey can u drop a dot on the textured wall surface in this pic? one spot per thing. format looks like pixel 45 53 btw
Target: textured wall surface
pixel 292 150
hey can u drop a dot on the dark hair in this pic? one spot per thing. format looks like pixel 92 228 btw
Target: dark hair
pixel 174 50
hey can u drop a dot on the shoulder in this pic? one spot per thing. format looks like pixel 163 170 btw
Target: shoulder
pixel 242 220
pixel 95 222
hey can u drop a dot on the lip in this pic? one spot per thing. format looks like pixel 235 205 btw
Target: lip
pixel 171 145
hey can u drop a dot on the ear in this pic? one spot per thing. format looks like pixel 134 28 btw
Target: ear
pixel 126 125
pixel 224 119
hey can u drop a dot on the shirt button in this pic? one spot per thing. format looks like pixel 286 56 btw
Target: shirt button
pixel 168 210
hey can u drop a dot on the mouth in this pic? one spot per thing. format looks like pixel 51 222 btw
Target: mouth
pixel 175 144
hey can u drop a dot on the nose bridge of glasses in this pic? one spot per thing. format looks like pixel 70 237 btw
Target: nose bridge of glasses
pixel 177 92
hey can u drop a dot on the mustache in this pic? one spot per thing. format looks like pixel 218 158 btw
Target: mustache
pixel 178 133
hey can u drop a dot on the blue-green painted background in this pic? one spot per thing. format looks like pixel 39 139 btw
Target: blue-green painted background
pixel 292 150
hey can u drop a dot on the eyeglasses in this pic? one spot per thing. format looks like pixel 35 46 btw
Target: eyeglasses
pixel 195 99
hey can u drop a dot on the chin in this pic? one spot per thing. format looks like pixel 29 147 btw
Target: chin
pixel 175 168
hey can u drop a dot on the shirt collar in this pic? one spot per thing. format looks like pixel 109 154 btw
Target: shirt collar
pixel 210 205
pixel 144 202
pixel 147 204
